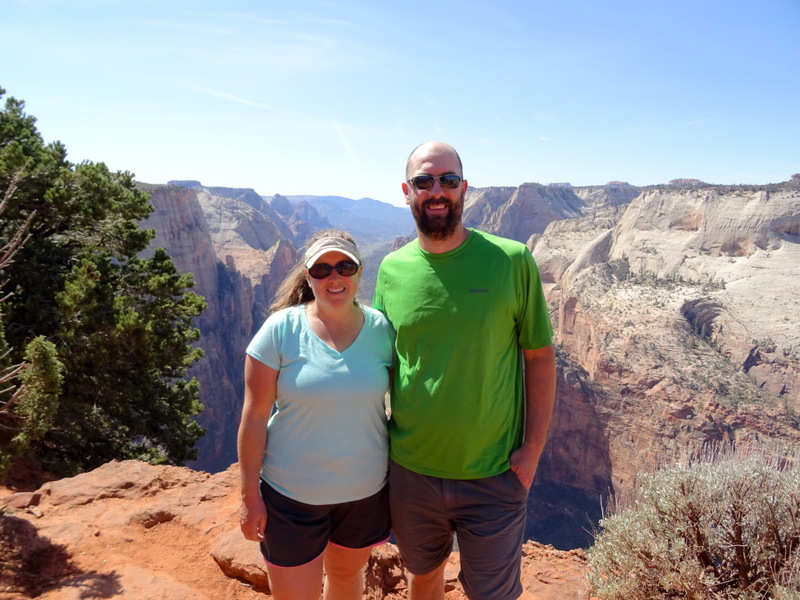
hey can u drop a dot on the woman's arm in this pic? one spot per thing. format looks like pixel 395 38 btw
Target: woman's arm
pixel 260 385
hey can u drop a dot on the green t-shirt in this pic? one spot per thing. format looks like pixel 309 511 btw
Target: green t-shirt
pixel 462 318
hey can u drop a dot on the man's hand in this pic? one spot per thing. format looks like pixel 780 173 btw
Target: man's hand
pixel 524 466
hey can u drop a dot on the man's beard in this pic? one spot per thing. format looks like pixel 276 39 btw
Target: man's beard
pixel 438 227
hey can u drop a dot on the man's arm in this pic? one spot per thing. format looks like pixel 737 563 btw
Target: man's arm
pixel 540 393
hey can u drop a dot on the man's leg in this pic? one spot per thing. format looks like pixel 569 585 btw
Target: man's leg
pixel 490 526
pixel 422 529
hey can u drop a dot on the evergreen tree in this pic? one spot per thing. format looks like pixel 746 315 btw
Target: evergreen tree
pixel 121 324
pixel 27 410
pixel 28 390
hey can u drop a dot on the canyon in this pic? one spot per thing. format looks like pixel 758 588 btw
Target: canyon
pixel 676 310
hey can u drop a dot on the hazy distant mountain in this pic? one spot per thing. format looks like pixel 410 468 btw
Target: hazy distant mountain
pixel 368 220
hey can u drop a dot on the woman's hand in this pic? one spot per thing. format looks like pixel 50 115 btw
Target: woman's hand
pixel 253 518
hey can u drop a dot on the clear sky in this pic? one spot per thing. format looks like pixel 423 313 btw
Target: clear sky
pixel 329 97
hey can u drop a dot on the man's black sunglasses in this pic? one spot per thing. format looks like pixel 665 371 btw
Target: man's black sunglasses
pixel 450 181
pixel 345 268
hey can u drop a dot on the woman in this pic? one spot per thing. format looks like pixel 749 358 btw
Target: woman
pixel 313 473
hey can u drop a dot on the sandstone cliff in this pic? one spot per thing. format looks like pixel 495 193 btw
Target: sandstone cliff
pixel 520 212
pixel 238 256
pixel 678 322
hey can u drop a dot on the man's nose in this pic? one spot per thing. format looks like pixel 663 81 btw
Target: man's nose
pixel 436 187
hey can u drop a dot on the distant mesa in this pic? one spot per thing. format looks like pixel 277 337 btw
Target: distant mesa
pixel 187 183
pixel 688 182
pixel 569 185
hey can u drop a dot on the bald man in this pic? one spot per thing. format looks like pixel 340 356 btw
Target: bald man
pixel 473 390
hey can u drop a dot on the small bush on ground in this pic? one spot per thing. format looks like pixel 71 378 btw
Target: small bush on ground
pixel 723 526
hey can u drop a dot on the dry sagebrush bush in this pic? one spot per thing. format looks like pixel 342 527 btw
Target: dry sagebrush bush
pixel 724 526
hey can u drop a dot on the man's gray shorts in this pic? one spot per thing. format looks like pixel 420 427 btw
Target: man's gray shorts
pixel 487 515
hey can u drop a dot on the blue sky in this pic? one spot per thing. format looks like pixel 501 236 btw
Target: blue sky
pixel 328 98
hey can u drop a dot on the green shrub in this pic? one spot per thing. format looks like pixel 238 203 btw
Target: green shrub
pixel 725 526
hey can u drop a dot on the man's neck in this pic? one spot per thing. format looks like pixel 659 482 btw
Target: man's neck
pixel 440 246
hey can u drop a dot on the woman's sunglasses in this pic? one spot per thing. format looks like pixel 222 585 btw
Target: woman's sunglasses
pixel 345 268
pixel 450 181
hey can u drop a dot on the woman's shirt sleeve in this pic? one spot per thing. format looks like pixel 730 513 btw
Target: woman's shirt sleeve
pixel 266 344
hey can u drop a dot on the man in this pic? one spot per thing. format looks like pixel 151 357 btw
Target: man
pixel 473 389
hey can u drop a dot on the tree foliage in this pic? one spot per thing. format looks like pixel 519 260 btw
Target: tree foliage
pixel 121 324
pixel 723 527
pixel 29 412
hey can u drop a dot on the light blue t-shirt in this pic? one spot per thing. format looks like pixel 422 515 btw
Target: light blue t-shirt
pixel 327 439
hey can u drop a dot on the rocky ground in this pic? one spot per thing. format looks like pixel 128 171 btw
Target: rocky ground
pixel 135 531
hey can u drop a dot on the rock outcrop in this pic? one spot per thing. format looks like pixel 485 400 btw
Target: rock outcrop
pixel 527 210
pixel 135 531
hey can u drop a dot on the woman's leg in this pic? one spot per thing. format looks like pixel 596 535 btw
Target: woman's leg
pixel 296 583
pixel 344 572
